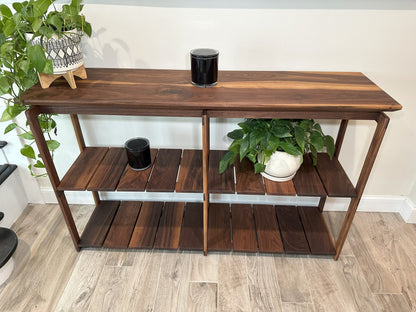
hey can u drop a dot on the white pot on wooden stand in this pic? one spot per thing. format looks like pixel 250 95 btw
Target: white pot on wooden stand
pixel 66 55
pixel 282 166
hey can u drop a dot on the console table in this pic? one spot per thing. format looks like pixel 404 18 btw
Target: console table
pixel 209 226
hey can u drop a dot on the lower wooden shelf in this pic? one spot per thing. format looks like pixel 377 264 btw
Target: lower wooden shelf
pixel 236 227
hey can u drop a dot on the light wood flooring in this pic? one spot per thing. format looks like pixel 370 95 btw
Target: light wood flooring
pixel 376 272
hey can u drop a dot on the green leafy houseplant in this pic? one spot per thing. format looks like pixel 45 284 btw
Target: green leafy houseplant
pixel 21 61
pixel 258 139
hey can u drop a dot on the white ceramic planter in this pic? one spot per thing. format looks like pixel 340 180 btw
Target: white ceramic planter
pixel 65 52
pixel 282 166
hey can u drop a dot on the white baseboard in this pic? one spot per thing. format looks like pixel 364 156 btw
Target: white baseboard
pixel 369 203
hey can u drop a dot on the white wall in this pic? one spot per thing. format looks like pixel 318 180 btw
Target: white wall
pixel 379 43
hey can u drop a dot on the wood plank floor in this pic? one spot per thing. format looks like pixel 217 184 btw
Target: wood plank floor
pixel 376 272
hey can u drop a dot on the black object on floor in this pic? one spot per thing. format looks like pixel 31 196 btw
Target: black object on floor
pixel 5 171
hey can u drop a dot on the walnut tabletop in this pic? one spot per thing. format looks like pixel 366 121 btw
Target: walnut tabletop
pixel 236 90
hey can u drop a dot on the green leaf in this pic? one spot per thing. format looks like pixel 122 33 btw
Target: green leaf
pixel 225 161
pixel 236 134
pixel 24 65
pixel 10 128
pixel 9 27
pixel 317 141
pixel 258 167
pixel 300 137
pixel 18 6
pixel 52 144
pixel 37 56
pixel 281 132
pixel 4 85
pixel 87 29
pixel 274 142
pixel 255 137
pixel 36 24
pixel 41 6
pixel 314 155
pixel 39 164
pixel 330 146
pixel 244 147
pixel 28 152
pixel 5 11
pixel 290 148
pixel 9 113
pixel 48 69
pixel 27 135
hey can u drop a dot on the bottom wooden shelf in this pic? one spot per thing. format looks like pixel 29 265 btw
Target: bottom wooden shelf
pixel 237 227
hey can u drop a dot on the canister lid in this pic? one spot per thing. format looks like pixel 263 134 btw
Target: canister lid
pixel 137 144
pixel 204 53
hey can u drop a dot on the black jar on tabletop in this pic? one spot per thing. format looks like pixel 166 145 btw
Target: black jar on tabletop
pixel 204 67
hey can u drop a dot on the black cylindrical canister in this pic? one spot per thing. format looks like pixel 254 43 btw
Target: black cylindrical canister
pixel 204 67
pixel 138 153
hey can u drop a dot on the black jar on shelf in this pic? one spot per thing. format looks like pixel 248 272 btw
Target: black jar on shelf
pixel 138 153
pixel 204 67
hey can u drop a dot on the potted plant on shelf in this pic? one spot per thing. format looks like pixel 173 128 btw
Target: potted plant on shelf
pixel 26 50
pixel 276 146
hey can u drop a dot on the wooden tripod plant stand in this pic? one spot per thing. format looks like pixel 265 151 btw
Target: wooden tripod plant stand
pixel 47 79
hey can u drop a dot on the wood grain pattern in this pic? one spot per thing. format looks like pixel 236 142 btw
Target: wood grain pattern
pixel 133 180
pixel 109 171
pixel 83 281
pixel 169 230
pixel 293 282
pixel 334 178
pixel 307 181
pixel 192 234
pixel 279 188
pixel 172 291
pixel 392 302
pixel 219 232
pixel 319 240
pixel 190 173
pixel 202 297
pixel 155 89
pixel 247 182
pixel 123 224
pixel 244 233
pixel 232 283
pixel 293 237
pixel 100 221
pixel 263 284
pixel 267 228
pixel 165 170
pixel 220 183
pixel 144 232
pixel 82 170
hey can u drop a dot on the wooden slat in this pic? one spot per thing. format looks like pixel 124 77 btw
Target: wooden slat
pixel 279 188
pixel 165 170
pixel 247 182
pixel 123 224
pixel 319 239
pixel 109 171
pixel 334 178
pixel 190 172
pixel 219 183
pixel 268 233
pixel 98 224
pixel 169 230
pixel 144 232
pixel 219 233
pixel 293 236
pixel 82 170
pixel 244 233
pixel 192 235
pixel 307 181
pixel 133 180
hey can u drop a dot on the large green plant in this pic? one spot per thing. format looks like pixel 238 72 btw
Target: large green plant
pixel 258 139
pixel 21 61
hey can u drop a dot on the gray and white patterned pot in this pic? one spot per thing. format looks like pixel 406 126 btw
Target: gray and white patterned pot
pixel 65 52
